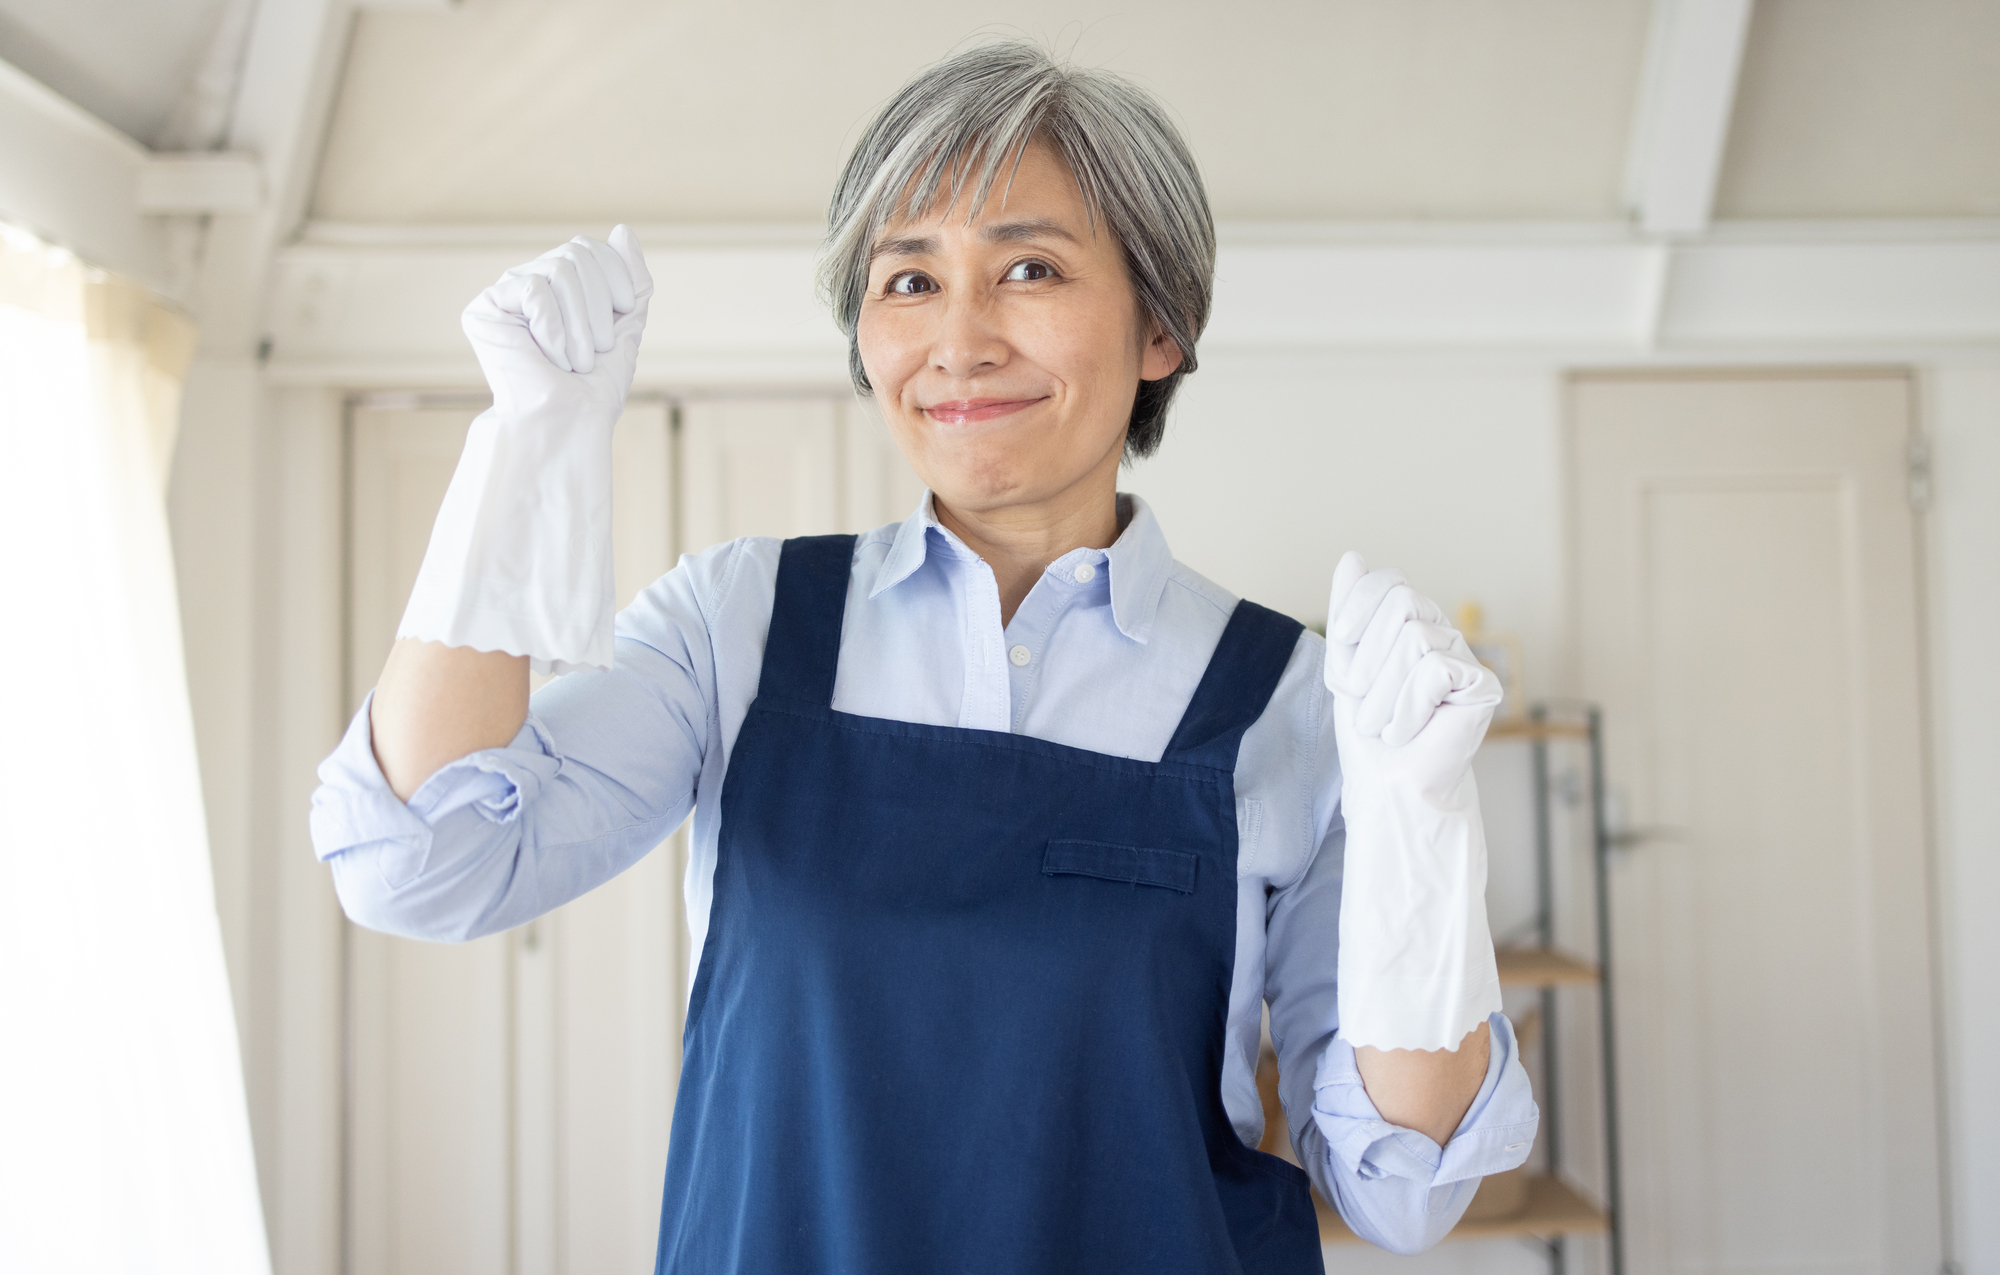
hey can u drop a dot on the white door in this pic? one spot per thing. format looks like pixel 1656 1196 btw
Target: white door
pixel 790 466
pixel 879 485
pixel 1748 619
pixel 760 467
pixel 509 1098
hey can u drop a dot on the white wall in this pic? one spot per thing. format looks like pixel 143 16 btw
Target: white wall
pixel 212 507
pixel 1963 416
pixel 1272 467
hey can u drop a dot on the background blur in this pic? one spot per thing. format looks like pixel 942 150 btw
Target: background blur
pixel 1667 333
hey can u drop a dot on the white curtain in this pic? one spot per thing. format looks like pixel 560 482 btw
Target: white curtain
pixel 124 1137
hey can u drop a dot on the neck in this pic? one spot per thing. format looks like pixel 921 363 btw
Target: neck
pixel 1020 541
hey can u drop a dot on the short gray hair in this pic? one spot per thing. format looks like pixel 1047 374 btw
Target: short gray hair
pixel 989 102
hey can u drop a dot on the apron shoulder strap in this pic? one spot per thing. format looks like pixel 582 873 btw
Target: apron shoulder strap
pixel 1239 681
pixel 802 647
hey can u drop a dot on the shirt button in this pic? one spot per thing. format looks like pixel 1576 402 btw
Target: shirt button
pixel 1085 573
pixel 1020 656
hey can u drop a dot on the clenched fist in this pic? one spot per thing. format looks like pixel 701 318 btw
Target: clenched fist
pixel 561 333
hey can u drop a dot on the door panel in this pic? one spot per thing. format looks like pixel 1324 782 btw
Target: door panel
pixel 790 466
pixel 432 1083
pixel 429 1141
pixel 401 461
pixel 618 1028
pixel 880 486
pixel 760 467
pixel 1747 612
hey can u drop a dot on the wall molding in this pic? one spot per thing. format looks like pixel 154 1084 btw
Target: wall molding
pixel 378 306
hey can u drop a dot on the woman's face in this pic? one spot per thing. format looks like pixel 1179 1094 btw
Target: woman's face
pixel 1005 351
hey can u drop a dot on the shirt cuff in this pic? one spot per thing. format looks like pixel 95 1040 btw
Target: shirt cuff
pixel 1497 1133
pixel 354 807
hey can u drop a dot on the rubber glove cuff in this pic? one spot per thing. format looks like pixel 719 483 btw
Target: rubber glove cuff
pixel 520 557
pixel 1416 967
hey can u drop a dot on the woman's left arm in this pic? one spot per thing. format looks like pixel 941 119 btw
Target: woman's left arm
pixel 1396 1138
pixel 1400 1181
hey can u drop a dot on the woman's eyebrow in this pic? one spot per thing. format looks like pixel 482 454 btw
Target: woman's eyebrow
pixel 1031 228
pixel 1025 230
pixel 903 246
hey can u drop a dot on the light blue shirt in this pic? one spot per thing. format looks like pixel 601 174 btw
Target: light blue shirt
pixel 1103 654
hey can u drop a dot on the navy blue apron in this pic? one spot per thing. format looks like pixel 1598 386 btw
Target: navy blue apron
pixel 962 1000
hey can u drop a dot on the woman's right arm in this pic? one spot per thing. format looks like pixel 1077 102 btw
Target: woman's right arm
pixel 446 810
pixel 520 555
pixel 601 770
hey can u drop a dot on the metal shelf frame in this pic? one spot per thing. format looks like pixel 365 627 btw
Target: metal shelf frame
pixel 1538 730
pixel 1553 1210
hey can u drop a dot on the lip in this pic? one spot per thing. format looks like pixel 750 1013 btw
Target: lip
pixel 966 411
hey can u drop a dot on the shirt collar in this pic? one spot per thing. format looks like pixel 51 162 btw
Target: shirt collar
pixel 1137 564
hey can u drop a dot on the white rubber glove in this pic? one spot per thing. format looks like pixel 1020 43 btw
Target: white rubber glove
pixel 520 556
pixel 1410 706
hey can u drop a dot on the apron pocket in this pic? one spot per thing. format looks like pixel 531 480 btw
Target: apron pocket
pixel 1134 865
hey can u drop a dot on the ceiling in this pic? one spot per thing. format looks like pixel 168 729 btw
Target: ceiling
pixel 667 111
pixel 128 62
pixel 707 111
pixel 704 110
pixel 1867 108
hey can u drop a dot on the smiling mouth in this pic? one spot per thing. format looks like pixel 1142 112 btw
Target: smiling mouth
pixel 965 411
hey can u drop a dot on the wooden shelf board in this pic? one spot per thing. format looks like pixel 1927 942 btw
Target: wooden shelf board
pixel 1530 729
pixel 1541 967
pixel 1552 1209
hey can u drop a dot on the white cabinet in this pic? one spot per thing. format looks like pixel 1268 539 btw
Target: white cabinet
pixel 509 1099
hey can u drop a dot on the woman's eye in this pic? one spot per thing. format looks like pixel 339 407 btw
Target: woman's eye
pixel 911 284
pixel 1031 271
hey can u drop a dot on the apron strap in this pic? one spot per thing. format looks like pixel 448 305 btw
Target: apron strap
pixel 1239 681
pixel 802 648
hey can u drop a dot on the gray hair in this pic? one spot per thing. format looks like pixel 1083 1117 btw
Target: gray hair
pixel 1135 172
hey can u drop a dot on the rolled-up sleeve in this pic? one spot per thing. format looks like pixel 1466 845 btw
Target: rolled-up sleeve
pixel 602 770
pixel 1394 1186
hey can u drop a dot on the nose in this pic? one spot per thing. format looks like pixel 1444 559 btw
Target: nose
pixel 968 340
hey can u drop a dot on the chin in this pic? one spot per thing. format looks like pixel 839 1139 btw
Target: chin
pixel 980 494
pixel 989 477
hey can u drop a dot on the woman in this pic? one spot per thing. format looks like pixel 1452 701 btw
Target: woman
pixel 1006 825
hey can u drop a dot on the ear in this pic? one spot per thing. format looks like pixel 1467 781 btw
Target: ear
pixel 1162 357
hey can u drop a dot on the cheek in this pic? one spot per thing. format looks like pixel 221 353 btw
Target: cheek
pixel 887 345
pixel 1091 350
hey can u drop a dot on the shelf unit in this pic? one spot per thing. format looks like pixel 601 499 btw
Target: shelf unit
pixel 1551 1209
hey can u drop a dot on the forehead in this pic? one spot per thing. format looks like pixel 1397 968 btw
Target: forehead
pixel 1030 183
